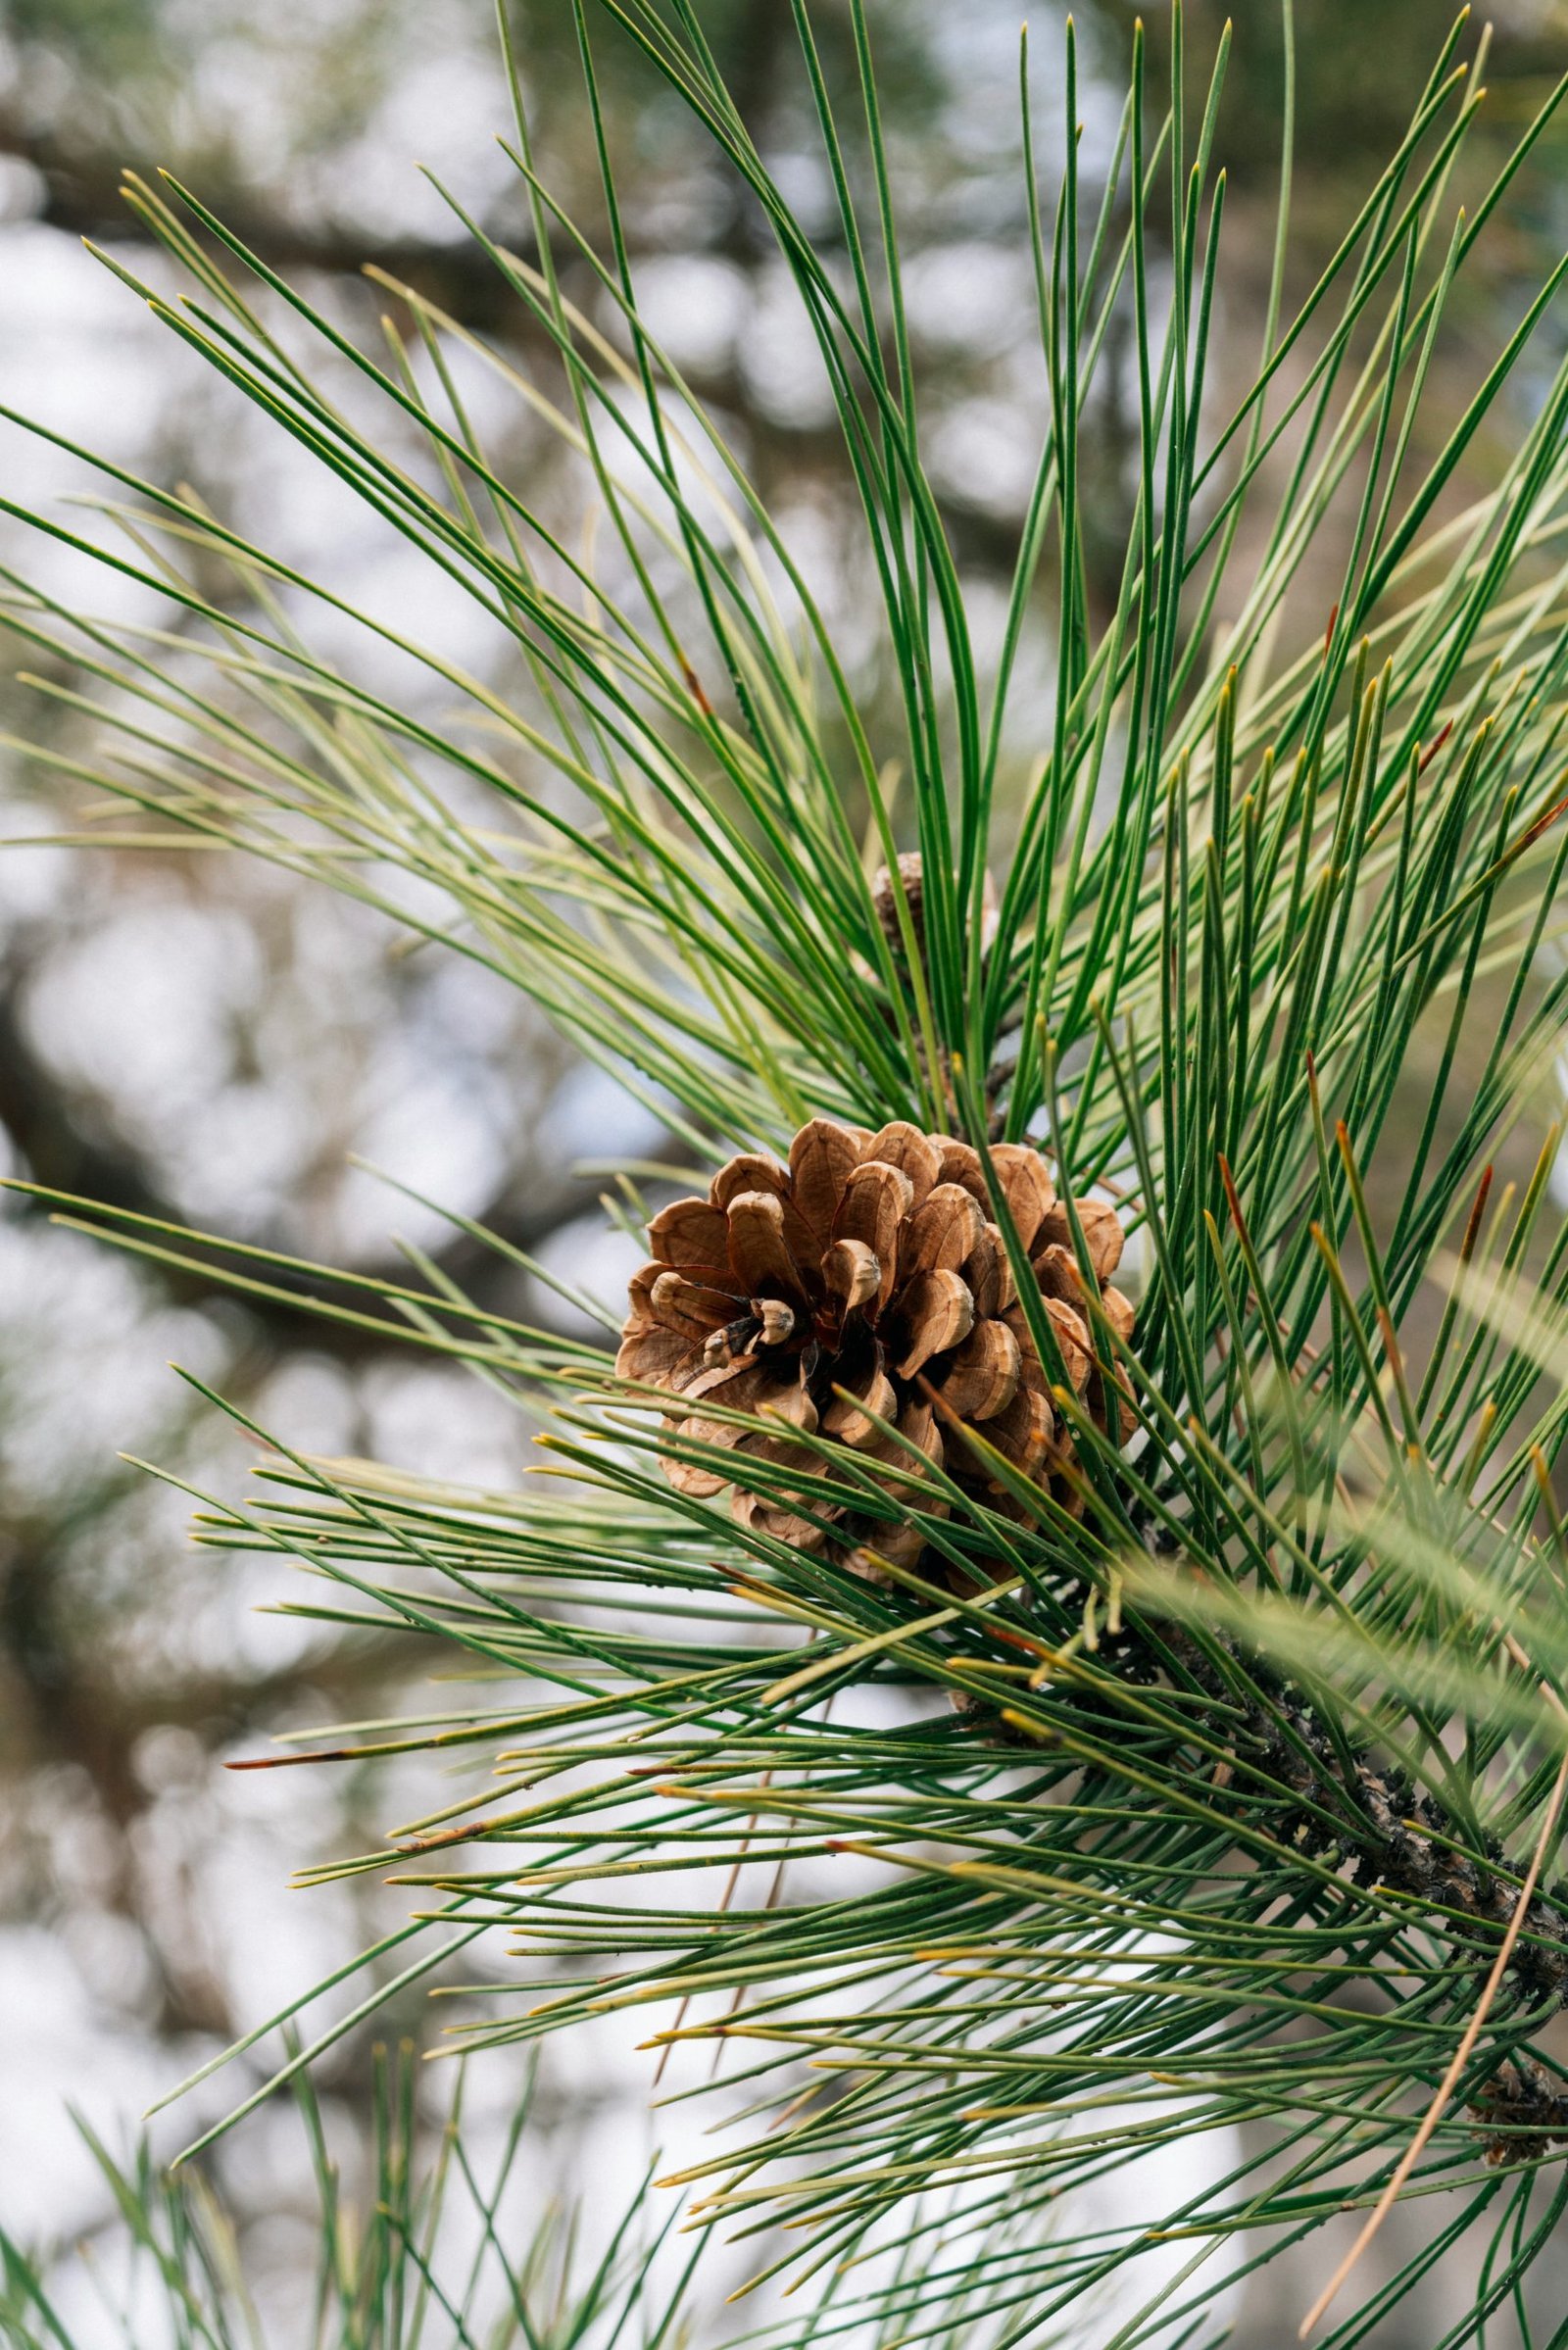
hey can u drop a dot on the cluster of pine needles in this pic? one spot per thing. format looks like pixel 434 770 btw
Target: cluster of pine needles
pixel 1213 1805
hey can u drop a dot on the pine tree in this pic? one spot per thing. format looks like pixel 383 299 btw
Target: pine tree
pixel 1241 1809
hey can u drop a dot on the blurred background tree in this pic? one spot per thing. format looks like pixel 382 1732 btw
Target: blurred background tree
pixel 190 1036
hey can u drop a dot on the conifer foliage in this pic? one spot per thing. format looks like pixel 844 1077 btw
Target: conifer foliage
pixel 1181 1678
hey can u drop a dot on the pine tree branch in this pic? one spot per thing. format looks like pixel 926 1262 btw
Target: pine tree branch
pixel 1393 1834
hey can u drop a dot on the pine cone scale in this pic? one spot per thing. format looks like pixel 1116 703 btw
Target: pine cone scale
pixel 689 1232
pixel 760 1257
pixel 821 1157
pixel 849 1422
pixel 852 1273
pixel 937 1311
pixel 943 1231
pixel 983 1376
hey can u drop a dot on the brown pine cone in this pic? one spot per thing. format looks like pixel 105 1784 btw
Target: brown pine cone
pixel 911 883
pixel 869 1264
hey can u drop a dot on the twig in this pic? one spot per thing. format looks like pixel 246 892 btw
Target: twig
pixel 1456 2065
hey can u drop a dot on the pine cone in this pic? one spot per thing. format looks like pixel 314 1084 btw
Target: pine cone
pixel 870 1264
pixel 910 885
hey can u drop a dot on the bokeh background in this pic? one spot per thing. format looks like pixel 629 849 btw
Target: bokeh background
pixel 198 1038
